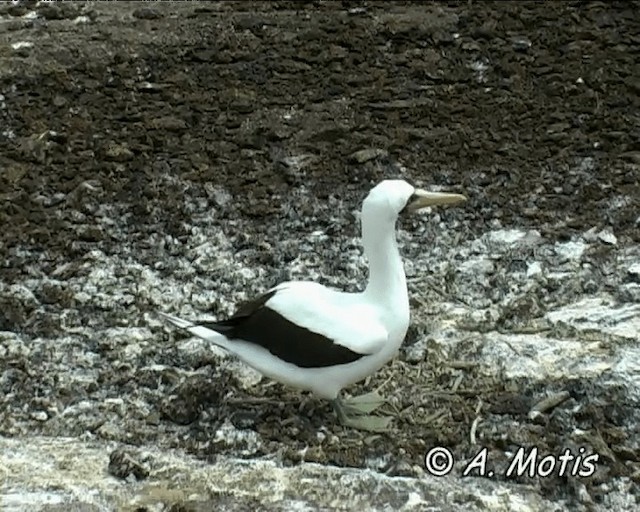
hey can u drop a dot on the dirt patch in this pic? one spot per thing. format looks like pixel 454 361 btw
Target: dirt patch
pixel 124 125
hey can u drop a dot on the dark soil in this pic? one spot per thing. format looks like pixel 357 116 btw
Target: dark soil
pixel 532 109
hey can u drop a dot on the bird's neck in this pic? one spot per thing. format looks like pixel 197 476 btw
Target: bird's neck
pixel 387 281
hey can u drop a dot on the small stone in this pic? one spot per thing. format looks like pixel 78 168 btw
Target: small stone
pixel 243 419
pixel 146 13
pixel 108 432
pixel 629 292
pixel 298 162
pixel 39 416
pixel 607 236
pixel 13 173
pixel 478 266
pixel 21 47
pixel 186 402
pixel 126 463
pixel 51 11
pixel 590 235
pixel 82 297
pixel 534 269
pixel 59 101
pixel 168 123
pixel 520 43
pixel 416 352
pixel 631 156
pixel 245 376
pixel 53 292
pixel 570 251
pixel 118 152
pixel 81 20
pixel 89 233
pixel 470 46
pixel 532 238
pixel 538 417
pixel 633 272
pixel 364 155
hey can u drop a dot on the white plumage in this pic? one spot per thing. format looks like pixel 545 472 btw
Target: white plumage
pixel 322 340
pixel 353 324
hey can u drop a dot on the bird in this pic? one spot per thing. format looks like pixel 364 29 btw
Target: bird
pixel 320 339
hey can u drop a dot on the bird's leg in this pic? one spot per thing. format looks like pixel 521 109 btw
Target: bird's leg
pixel 357 417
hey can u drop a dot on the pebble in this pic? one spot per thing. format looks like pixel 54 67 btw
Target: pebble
pixel 146 13
pixel 364 155
pixel 521 43
pixel 39 416
pixel 607 236
pixel 534 269
pixel 633 272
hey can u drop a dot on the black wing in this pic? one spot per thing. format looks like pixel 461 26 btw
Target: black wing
pixel 256 323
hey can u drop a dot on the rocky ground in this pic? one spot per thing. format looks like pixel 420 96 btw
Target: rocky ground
pixel 186 156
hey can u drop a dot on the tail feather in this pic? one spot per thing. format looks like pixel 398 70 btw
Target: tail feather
pixel 178 322
pixel 197 330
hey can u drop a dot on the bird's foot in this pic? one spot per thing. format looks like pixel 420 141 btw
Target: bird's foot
pixel 354 412
pixel 363 404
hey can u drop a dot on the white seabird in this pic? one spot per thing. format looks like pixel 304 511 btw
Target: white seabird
pixel 315 338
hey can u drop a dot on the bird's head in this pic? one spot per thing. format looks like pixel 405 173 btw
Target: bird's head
pixel 390 198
